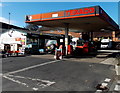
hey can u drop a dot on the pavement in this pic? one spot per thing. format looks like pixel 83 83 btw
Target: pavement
pixel 116 84
pixel 44 73
pixel 59 76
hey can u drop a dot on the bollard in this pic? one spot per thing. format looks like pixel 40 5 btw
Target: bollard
pixel 58 54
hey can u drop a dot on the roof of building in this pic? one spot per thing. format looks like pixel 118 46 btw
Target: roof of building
pixel 9 26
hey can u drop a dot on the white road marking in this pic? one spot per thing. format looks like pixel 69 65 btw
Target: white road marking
pixel 107 80
pixel 16 76
pixel 16 81
pixel 117 88
pixel 31 67
pixel 41 83
pixel 104 84
pixel 48 82
pixel 45 81
pixel 99 90
pixel 109 51
pixel 35 89
pixel 1 74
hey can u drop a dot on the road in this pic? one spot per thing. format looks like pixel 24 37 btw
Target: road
pixel 43 73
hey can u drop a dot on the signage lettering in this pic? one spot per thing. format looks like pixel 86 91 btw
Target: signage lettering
pixel 79 11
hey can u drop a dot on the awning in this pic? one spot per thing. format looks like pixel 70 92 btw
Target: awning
pixel 89 19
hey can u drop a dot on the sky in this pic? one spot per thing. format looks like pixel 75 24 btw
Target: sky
pixel 60 0
pixel 18 10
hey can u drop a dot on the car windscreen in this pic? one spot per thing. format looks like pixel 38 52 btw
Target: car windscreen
pixel 80 42
pixel 105 43
pixel 50 42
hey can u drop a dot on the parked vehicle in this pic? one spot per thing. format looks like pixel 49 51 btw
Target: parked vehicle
pixel 12 50
pixel 106 43
pixel 50 46
pixel 83 47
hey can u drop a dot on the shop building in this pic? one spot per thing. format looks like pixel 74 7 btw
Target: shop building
pixel 12 38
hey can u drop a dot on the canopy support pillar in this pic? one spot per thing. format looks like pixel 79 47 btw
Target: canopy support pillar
pixel 66 36
pixel 91 36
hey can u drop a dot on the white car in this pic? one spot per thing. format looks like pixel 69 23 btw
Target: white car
pixel 106 43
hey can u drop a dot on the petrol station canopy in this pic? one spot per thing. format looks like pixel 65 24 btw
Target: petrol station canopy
pixel 88 19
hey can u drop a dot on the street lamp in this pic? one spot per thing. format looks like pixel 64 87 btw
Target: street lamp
pixel 9 22
pixel 9 18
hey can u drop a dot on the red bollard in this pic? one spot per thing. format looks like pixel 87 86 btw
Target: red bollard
pixel 58 54
pixel 70 49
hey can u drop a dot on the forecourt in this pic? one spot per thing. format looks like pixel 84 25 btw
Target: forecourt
pixel 88 19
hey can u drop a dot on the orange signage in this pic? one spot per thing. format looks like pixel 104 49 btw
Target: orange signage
pixel 80 11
